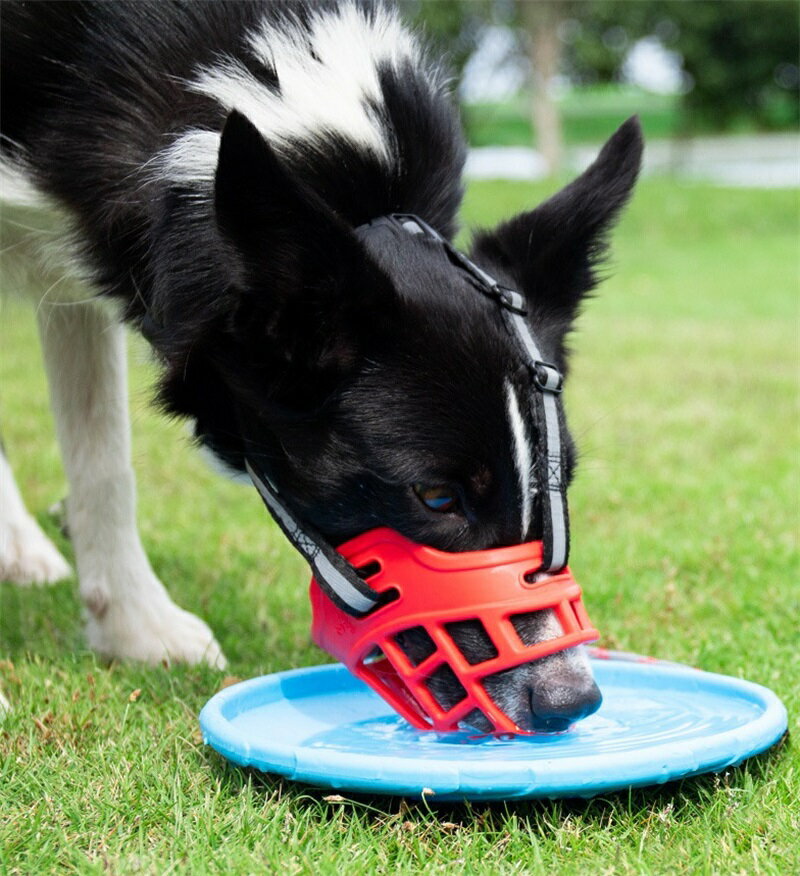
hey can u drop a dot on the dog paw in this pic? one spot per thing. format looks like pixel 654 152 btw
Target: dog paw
pixel 148 626
pixel 27 556
pixel 5 707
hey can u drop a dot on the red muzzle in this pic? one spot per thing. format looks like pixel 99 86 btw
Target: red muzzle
pixel 433 590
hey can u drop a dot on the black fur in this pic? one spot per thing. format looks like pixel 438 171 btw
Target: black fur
pixel 353 367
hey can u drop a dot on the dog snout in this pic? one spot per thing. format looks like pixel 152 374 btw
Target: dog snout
pixel 572 697
pixel 547 695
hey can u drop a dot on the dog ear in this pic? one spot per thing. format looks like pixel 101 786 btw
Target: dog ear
pixel 551 253
pixel 308 292
pixel 260 205
pixel 274 221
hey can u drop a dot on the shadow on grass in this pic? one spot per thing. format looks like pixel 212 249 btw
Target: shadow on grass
pixel 683 798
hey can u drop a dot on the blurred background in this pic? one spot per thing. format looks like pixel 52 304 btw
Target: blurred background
pixel 683 399
pixel 715 83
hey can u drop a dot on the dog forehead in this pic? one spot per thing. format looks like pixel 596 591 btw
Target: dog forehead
pixel 440 307
pixel 446 344
pixel 437 381
pixel 448 348
pixel 439 388
pixel 415 264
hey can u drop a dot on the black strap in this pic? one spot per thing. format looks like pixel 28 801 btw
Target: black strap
pixel 334 574
pixel 547 381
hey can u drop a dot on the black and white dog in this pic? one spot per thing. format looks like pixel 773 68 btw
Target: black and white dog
pixel 197 170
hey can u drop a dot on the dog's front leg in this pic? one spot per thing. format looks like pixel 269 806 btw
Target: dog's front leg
pixel 130 614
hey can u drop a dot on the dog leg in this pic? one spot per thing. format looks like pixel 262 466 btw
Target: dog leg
pixel 129 613
pixel 27 556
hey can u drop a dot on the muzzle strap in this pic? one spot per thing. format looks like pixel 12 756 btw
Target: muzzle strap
pixel 334 574
pixel 551 467
pixel 547 380
pixel 338 579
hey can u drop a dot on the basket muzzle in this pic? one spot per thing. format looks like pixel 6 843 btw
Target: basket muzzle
pixel 432 589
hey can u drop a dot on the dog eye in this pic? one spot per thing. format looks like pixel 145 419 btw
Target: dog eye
pixel 440 498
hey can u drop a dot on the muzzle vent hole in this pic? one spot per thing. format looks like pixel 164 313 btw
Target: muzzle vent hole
pixel 534 627
pixel 472 640
pixel 416 644
pixel 375 655
pixel 476 720
pixel 370 569
pixel 445 687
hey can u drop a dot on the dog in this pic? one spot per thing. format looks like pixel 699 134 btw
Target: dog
pixel 198 171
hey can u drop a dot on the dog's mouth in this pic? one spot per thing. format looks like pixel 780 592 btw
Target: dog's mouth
pixel 462 640
pixel 544 695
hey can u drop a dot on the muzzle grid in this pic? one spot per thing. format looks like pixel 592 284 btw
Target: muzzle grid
pixel 436 590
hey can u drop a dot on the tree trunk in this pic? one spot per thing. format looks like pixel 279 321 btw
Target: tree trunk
pixel 540 20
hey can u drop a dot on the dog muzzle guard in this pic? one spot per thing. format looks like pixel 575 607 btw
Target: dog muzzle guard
pixel 430 590
pixel 358 616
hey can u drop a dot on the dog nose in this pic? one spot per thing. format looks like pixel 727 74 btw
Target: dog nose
pixel 558 705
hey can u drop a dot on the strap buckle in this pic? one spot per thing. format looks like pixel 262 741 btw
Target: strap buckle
pixel 547 377
pixel 411 223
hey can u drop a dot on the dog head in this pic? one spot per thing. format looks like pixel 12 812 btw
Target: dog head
pixel 378 387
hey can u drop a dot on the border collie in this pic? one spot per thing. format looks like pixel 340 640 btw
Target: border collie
pixel 197 171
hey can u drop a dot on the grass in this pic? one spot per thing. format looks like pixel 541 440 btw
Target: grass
pixel 683 397
pixel 587 116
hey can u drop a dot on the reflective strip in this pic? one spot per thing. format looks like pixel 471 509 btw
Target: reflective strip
pixel 553 379
pixel 524 334
pixel 325 572
pixel 413 227
pixel 490 281
pixel 330 575
pixel 550 448
pixel 555 482
pixel 269 496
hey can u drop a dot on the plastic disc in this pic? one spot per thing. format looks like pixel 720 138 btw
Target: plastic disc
pixel 658 721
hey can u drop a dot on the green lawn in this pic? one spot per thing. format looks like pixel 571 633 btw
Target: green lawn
pixel 684 400
pixel 587 116
pixel 588 113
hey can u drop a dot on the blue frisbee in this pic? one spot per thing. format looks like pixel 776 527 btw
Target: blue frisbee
pixel 659 721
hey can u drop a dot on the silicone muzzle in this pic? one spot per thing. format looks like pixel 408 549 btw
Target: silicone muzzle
pixel 433 590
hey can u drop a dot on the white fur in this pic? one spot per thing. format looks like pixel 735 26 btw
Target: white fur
pixel 15 187
pixel 329 85
pixel 549 672
pixel 33 244
pixel 38 253
pixel 129 613
pixel 523 459
pixel 331 90
pixel 576 657
pixel 190 159
pixel 27 556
